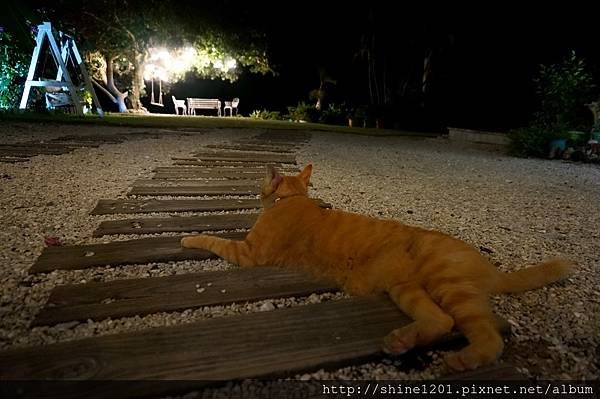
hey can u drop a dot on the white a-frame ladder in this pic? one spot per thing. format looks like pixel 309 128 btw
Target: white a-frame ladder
pixel 63 78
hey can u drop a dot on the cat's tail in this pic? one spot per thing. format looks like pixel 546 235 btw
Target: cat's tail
pixel 532 277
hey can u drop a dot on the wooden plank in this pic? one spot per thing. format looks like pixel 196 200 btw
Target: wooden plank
pixel 217 169
pixel 196 162
pixel 106 206
pixel 210 175
pixel 251 141
pixel 83 144
pixel 190 190
pixel 265 344
pixel 252 147
pixel 36 145
pixel 241 154
pixel 120 298
pixel 102 138
pixel 32 151
pixel 14 159
pixel 176 224
pixel 241 183
pixel 245 157
pixel 263 144
pixel 286 135
pixel 495 372
pixel 145 250
pixel 33 147
pixel 257 388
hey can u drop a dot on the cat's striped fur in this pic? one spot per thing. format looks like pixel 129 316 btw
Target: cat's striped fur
pixel 439 281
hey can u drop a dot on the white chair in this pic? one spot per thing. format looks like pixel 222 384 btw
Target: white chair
pixel 179 104
pixel 231 105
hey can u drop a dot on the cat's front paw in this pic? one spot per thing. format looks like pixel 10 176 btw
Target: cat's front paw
pixel 457 361
pixel 185 242
pixel 398 341
pixel 468 359
pixel 192 242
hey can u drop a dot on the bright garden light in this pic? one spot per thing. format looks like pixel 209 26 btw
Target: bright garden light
pixel 152 71
pixel 171 65
pixel 230 64
pixel 225 65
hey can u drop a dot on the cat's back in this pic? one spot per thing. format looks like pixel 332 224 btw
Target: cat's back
pixel 288 213
pixel 300 218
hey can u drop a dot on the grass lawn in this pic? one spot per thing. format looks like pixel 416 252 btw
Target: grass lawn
pixel 198 122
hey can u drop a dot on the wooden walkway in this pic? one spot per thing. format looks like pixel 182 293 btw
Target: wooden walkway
pixel 22 152
pixel 106 207
pixel 194 190
pixel 117 253
pixel 131 297
pixel 177 224
pixel 280 342
pixel 252 345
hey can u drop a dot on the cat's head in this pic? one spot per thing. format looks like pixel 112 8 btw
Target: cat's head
pixel 277 185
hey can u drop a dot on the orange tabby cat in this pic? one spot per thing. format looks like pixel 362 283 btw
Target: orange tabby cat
pixel 439 281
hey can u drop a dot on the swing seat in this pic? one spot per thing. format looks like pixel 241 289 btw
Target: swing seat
pixel 54 100
pixel 60 100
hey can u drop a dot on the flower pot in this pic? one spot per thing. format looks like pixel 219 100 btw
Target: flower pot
pixel 559 144
pixel 557 148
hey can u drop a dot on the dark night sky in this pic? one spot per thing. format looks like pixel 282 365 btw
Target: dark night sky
pixel 484 77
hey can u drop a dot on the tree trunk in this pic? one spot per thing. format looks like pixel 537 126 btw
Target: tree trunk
pixel 110 84
pixel 385 89
pixel 427 71
pixel 319 104
pixel 374 68
pixel 137 84
pixel 370 76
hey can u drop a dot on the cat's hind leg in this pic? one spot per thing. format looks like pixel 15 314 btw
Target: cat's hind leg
pixel 430 321
pixel 237 252
pixel 473 315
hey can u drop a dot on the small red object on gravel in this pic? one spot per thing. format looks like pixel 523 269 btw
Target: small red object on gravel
pixel 52 242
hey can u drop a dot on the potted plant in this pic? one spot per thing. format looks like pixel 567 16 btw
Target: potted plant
pixel 86 98
pixel 360 116
pixel 594 106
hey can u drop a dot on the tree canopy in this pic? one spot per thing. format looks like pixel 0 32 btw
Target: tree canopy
pixel 118 37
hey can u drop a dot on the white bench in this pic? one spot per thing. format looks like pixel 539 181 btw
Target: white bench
pixel 203 103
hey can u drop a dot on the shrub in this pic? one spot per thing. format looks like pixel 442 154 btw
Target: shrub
pixel 265 114
pixel 303 112
pixel 563 90
pixel 533 140
pixel 335 114
pixel 14 64
pixel 361 116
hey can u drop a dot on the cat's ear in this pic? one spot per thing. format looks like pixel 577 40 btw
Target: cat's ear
pixel 305 174
pixel 273 177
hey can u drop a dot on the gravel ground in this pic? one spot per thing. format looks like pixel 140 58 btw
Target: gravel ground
pixel 517 211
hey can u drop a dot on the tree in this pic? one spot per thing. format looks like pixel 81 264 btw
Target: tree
pixel 14 63
pixel 118 37
pixel 320 94
pixel 15 51
pixel 368 51
pixel 563 89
